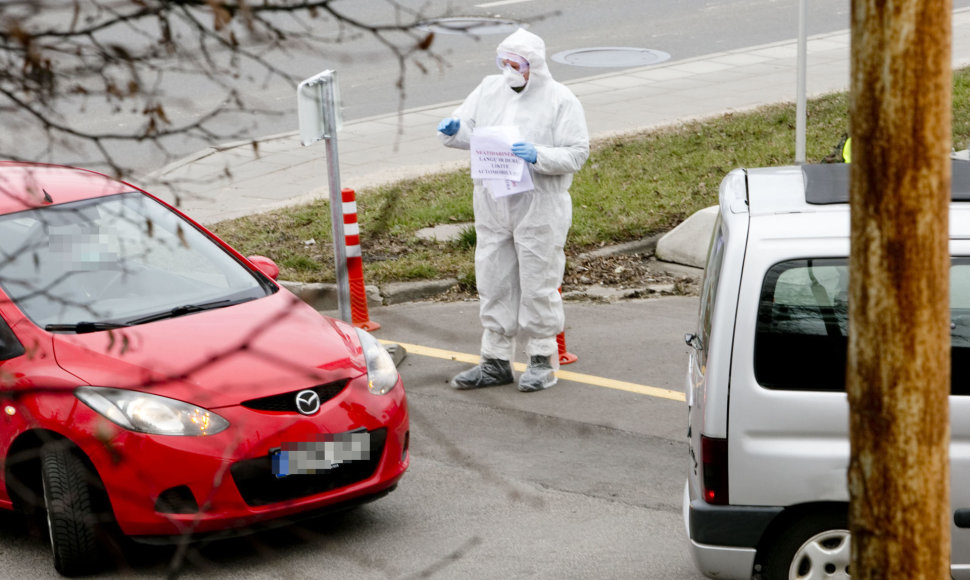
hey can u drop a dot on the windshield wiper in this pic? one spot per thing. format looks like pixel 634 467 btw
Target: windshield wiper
pixel 85 326
pixel 181 311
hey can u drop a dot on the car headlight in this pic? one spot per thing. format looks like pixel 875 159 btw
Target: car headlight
pixel 152 414
pixel 381 372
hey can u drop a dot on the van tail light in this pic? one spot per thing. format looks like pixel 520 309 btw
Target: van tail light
pixel 714 460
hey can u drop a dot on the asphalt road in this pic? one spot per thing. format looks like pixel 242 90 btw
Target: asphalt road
pixel 369 73
pixel 581 481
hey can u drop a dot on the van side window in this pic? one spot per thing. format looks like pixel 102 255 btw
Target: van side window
pixel 801 335
pixel 712 270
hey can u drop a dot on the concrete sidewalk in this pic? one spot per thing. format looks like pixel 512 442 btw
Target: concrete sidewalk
pixel 233 180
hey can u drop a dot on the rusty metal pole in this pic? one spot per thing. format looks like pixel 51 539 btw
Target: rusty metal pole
pixel 899 343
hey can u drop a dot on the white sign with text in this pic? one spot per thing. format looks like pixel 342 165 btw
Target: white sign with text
pixel 492 160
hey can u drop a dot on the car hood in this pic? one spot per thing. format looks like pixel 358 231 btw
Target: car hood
pixel 220 357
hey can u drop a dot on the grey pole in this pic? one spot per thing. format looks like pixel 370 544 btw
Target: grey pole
pixel 800 107
pixel 317 102
pixel 337 208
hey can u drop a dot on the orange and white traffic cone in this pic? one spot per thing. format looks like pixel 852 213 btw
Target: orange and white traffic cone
pixel 565 357
pixel 355 264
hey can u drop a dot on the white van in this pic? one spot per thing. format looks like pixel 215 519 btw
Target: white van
pixel 766 492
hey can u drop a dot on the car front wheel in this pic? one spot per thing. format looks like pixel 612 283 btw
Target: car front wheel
pixel 817 547
pixel 71 518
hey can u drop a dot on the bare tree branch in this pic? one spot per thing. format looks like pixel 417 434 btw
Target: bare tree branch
pixel 65 62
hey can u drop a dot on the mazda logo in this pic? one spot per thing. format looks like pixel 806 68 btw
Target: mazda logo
pixel 307 402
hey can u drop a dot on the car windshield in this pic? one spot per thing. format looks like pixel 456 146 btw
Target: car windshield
pixel 113 261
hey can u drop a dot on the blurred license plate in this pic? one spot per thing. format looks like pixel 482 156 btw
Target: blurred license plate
pixel 328 452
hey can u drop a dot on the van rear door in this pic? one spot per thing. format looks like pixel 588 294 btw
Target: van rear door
pixel 709 366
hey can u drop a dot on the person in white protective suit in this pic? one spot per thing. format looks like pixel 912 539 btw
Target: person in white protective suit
pixel 519 258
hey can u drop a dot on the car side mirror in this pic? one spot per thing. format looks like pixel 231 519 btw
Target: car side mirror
pixel 266 266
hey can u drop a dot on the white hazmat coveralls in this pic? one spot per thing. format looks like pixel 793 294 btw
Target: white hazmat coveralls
pixel 519 258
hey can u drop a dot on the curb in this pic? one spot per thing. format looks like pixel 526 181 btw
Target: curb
pixel 688 242
pixel 644 246
pixel 323 296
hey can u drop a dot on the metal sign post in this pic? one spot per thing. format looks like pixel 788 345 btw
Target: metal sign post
pixel 317 100
pixel 800 101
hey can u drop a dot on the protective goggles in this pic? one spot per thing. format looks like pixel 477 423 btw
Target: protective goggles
pixel 519 63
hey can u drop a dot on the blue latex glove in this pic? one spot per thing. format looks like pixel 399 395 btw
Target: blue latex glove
pixel 449 126
pixel 525 150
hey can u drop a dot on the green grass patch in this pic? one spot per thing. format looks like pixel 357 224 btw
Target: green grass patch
pixel 631 187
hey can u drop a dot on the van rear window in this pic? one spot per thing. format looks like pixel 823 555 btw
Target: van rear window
pixel 802 331
pixel 801 337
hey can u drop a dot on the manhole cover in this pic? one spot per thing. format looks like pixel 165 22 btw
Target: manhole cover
pixel 471 26
pixel 611 56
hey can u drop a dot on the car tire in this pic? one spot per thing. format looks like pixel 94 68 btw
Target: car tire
pixel 71 519
pixel 816 546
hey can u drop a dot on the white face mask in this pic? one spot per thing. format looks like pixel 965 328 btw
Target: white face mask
pixel 513 78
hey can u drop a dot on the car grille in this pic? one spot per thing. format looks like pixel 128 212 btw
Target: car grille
pixel 259 486
pixel 286 402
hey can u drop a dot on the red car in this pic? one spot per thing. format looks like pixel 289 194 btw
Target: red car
pixel 156 382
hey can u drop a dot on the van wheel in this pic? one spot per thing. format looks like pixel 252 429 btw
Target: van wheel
pixel 815 547
pixel 71 519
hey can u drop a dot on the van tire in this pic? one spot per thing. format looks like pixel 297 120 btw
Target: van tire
pixel 71 518
pixel 816 542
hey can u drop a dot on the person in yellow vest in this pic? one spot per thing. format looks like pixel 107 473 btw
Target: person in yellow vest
pixel 847 151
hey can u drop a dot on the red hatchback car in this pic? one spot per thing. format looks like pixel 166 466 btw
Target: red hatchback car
pixel 155 382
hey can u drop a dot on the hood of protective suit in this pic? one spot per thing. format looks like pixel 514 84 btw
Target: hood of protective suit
pixel 530 47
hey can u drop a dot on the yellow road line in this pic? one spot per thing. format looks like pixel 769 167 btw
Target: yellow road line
pixel 565 375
